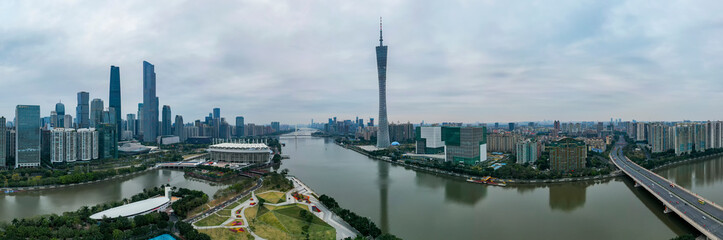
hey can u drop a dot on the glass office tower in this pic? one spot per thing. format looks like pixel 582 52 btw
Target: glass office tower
pixel 27 136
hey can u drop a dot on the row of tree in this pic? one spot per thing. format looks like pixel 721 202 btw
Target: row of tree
pixel 364 225
pixel 190 199
pixel 40 177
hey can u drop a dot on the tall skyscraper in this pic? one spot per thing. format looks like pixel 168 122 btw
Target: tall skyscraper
pixel 216 113
pixel 383 133
pixel 166 121
pixel 131 123
pixel 68 121
pixel 27 135
pixel 82 110
pixel 139 126
pixel 150 103
pixel 96 112
pixel 239 126
pixel 3 143
pixel 178 128
pixel 60 110
pixel 53 119
pixel 114 100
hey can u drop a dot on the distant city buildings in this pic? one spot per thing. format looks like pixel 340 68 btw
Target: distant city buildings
pixel 401 132
pixel 503 142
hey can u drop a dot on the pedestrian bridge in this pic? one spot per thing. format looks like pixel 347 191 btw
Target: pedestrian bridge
pixel 702 214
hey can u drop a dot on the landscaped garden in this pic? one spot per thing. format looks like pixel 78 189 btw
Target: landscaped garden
pixel 288 222
pixel 273 197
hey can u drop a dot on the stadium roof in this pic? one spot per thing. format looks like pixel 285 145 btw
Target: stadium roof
pixel 240 146
pixel 132 209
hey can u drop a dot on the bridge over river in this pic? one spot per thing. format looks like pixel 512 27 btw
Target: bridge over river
pixel 702 214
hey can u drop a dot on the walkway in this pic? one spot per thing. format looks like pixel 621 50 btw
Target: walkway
pixel 343 230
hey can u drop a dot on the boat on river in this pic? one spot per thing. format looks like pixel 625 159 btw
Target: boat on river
pixel 488 180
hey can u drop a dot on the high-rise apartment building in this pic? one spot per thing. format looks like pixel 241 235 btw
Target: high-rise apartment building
pixel 114 99
pixel 27 135
pixel 87 144
pixel 567 154
pixel 150 103
pixel 526 152
pixel 82 111
pixel 383 134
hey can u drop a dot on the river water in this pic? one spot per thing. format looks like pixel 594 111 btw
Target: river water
pixel 31 203
pixel 416 205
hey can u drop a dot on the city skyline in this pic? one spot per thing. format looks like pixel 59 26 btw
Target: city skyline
pixel 583 61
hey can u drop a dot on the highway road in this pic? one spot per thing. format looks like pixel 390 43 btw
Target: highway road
pixel 706 217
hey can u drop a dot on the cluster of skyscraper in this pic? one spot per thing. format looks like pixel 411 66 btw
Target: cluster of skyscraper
pixel 96 130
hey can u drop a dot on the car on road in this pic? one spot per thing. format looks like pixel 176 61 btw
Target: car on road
pixel 701 201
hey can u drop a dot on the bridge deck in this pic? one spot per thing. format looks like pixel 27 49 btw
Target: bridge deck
pixel 707 217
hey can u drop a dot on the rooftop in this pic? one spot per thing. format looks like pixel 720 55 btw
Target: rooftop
pixel 131 208
pixel 240 146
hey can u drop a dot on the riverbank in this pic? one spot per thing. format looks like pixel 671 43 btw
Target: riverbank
pixel 614 174
pixel 689 160
pixel 57 186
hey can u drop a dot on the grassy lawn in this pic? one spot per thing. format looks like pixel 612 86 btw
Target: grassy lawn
pixel 284 222
pixel 251 212
pixel 273 196
pixel 211 220
pixel 224 234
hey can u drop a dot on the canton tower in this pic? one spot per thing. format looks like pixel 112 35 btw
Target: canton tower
pixel 383 133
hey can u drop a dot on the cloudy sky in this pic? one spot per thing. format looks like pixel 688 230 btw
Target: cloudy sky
pixel 468 61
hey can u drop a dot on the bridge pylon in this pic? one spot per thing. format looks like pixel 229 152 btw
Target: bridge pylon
pixel 667 210
pixel 637 184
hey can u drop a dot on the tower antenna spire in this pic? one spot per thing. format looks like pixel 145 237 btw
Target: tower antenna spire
pixel 380 31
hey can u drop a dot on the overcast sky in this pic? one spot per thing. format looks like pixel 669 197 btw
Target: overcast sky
pixel 291 61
